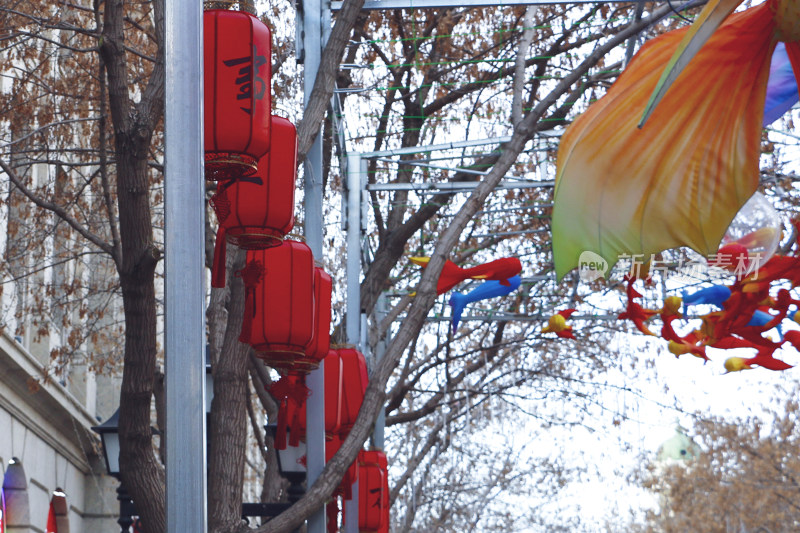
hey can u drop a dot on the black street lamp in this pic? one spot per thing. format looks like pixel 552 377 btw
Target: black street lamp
pixel 109 436
pixel 291 465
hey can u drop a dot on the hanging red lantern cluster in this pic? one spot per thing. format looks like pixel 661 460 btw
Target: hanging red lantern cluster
pixel 237 67
pixel 256 212
pixel 287 313
pixel 373 492
pixel 345 385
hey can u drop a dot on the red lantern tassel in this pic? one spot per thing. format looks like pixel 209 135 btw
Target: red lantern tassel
pixel 299 392
pixel 218 266
pixel 251 275
pixel 294 434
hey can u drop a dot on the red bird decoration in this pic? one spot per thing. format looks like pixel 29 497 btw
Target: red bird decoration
pixel 452 274
pixel 635 312
pixel 746 314
pixel 558 324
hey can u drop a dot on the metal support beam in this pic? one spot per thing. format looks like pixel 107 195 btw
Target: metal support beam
pixel 456 186
pixel 351 512
pixel 353 309
pixel 353 321
pixel 381 310
pixel 508 317
pixel 428 4
pixel 456 145
pixel 184 269
pixel 413 163
pixel 435 147
pixel 354 329
pixel 312 23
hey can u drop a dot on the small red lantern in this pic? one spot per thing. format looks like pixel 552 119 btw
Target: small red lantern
pixel 373 492
pixel 333 393
pixel 321 341
pixel 256 212
pixel 279 307
pixel 296 414
pixel 237 49
pixel 354 368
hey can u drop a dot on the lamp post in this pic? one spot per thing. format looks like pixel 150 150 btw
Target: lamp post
pixel 291 465
pixel 109 436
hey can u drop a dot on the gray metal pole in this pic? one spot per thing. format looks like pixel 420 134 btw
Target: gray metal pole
pixel 315 405
pixel 353 266
pixel 380 348
pixel 428 4
pixel 353 309
pixel 184 269
pixel 351 512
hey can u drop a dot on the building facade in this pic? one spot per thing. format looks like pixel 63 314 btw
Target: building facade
pixel 52 468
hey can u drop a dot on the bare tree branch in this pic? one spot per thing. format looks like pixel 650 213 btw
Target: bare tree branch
pixel 320 97
pixel 57 210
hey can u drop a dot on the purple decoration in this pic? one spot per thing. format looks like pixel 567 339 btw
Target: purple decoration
pixel 782 91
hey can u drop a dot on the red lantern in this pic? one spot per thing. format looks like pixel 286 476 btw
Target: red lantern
pixel 354 368
pixel 373 492
pixel 279 308
pixel 256 212
pixel 296 414
pixel 333 393
pixel 321 341
pixel 237 50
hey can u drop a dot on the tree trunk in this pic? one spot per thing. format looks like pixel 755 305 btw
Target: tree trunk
pixel 227 437
pixel 136 261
